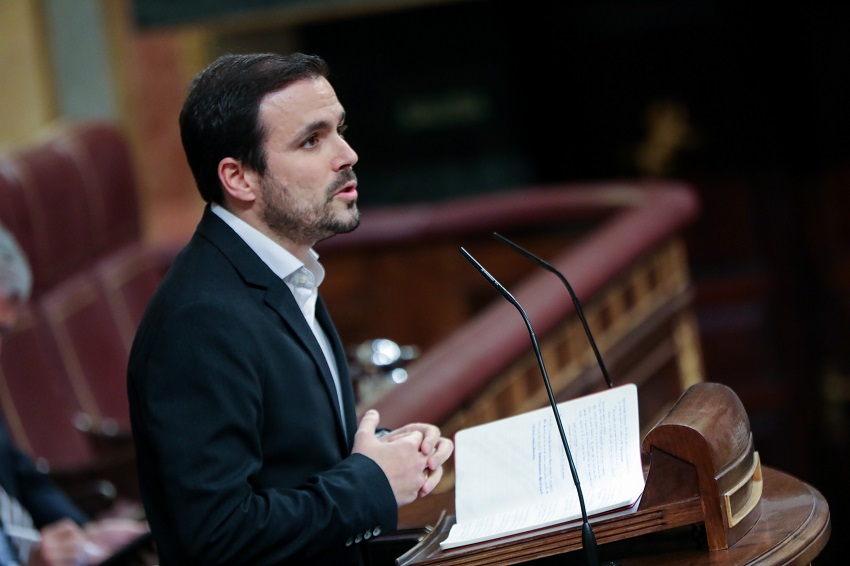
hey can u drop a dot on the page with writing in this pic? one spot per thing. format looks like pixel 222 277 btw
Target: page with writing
pixel 512 475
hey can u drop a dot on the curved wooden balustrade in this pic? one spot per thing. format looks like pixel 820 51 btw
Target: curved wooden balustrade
pixel 619 245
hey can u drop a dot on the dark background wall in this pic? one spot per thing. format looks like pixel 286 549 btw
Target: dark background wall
pixel 753 105
pixel 748 103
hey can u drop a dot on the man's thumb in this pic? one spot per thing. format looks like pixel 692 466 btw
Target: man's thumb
pixel 369 422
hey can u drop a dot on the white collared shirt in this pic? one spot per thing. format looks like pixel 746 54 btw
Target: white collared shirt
pixel 303 279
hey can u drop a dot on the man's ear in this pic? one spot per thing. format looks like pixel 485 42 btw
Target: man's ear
pixel 239 183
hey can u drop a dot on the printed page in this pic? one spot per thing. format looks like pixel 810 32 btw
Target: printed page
pixel 513 475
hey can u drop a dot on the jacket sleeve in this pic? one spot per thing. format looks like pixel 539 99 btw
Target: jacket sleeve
pixel 36 491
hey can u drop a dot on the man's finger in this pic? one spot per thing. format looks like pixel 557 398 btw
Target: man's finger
pixel 432 478
pixel 369 422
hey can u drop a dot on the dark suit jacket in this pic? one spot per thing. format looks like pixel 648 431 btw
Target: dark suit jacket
pixel 241 452
pixel 33 489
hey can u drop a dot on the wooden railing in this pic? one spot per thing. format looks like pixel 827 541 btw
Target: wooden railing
pixel 400 275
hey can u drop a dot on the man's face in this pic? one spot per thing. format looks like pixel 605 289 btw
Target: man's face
pixel 10 308
pixel 309 191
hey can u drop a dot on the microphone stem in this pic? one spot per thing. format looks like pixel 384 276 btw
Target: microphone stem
pixel 558 422
pixel 579 311
pixel 587 536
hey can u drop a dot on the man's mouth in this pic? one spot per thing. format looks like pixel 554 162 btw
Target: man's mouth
pixel 348 192
pixel 349 189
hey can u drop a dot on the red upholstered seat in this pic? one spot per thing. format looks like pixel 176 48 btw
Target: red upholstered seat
pixel 37 400
pixel 128 277
pixel 71 201
pixel 92 352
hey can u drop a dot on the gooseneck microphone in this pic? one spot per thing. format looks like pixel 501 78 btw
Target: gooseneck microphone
pixel 579 311
pixel 588 539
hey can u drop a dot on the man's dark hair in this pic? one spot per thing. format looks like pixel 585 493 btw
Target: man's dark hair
pixel 220 117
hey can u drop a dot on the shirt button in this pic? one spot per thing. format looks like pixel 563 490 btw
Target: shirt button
pixel 367 535
pixel 358 538
pixel 376 531
pixel 349 542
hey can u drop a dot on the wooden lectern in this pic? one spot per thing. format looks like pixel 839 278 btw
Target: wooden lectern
pixel 702 470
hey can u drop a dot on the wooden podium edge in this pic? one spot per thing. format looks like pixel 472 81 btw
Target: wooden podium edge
pixel 692 463
pixel 803 546
pixel 768 543
pixel 547 541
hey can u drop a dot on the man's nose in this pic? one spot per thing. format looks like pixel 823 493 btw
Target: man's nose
pixel 347 156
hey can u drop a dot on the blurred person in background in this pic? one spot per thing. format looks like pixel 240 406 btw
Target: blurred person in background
pixel 39 524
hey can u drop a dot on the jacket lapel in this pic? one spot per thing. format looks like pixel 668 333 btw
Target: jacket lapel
pixel 345 383
pixel 279 298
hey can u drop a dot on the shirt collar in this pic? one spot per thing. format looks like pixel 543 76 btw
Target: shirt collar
pixel 278 259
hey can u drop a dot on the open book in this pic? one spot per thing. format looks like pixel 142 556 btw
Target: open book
pixel 512 475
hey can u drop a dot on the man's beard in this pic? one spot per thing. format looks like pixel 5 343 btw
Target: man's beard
pixel 306 223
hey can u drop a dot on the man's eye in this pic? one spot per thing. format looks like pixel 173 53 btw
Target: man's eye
pixel 311 141
pixel 341 130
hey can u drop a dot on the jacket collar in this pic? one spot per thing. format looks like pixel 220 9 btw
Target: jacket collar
pixel 278 297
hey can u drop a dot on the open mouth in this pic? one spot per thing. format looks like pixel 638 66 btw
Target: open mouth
pixel 348 191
